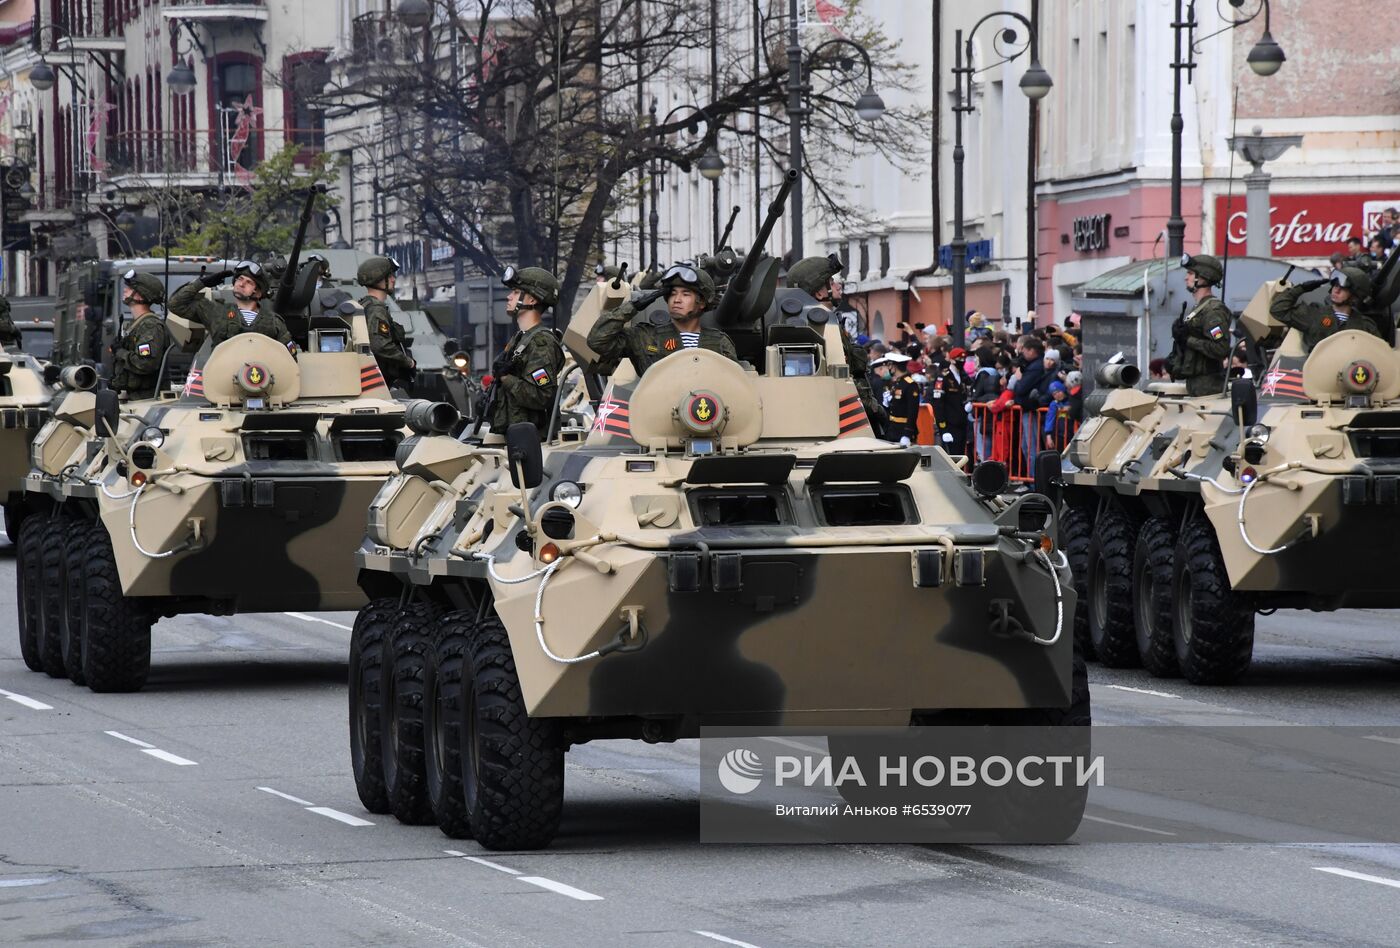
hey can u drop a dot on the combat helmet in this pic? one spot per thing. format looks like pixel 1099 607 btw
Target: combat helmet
pixel 375 270
pixel 691 277
pixel 1355 279
pixel 813 274
pixel 148 285
pixel 537 281
pixel 1205 266
pixel 255 272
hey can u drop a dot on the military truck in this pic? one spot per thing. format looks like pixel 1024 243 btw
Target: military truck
pixel 1186 517
pixel 708 552
pixel 245 491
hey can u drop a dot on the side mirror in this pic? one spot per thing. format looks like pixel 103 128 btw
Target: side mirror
pixel 108 410
pixel 523 453
pixel 1048 466
pixel 1244 403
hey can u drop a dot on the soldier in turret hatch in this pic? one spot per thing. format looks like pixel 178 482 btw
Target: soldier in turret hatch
pixel 689 291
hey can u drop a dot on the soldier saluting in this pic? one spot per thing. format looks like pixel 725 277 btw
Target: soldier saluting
pixel 223 321
pixel 527 370
pixel 688 291
pixel 386 337
pixel 1201 338
pixel 1350 287
pixel 138 354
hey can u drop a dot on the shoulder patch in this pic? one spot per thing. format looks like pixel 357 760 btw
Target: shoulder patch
pixel 384 327
pixel 540 376
pixel 1217 331
pixel 143 348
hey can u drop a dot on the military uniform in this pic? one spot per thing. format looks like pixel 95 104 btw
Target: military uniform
pixel 902 410
pixel 1201 338
pixel 947 393
pixel 650 340
pixel 387 341
pixel 9 332
pixel 138 356
pixel 527 380
pixel 1316 321
pixel 223 320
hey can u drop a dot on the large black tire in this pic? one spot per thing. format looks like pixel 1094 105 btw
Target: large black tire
pixel 367 643
pixel 442 723
pixel 1110 589
pixel 1214 627
pixel 1153 556
pixel 78 538
pixel 1076 531
pixel 401 726
pixel 51 552
pixel 14 522
pixel 116 629
pixel 512 764
pixel 27 585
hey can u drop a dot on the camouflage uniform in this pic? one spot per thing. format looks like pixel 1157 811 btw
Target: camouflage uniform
pixel 386 337
pixel 529 379
pixel 223 320
pixel 647 342
pixel 1201 338
pixel 812 275
pixel 9 332
pixel 1317 321
pixel 140 352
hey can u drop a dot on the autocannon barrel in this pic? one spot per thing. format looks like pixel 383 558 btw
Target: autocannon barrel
pixel 727 313
pixel 1118 375
pixel 78 378
pixel 284 290
pixel 429 418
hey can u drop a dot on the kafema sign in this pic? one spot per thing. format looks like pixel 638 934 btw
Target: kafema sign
pixel 1305 225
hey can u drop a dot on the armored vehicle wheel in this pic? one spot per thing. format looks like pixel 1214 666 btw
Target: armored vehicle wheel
pixel 372 627
pixel 442 723
pixel 13 523
pixel 512 764
pixel 401 723
pixel 1214 628
pixel 27 583
pixel 52 540
pixel 78 538
pixel 1110 586
pixel 1076 531
pixel 116 643
pixel 1152 597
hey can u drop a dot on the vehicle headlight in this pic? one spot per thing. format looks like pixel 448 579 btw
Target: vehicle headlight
pixel 567 492
pixel 1258 432
pixel 153 436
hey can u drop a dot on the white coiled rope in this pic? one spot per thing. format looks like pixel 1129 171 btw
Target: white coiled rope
pixel 1239 518
pixel 131 521
pixel 111 496
pixel 544 574
pixel 1059 596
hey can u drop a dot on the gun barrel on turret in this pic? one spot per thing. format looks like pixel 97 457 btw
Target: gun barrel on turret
pixel 727 313
pixel 285 288
pixel 728 229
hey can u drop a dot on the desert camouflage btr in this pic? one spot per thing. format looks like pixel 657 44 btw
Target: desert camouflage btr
pixel 27 387
pixel 244 491
pixel 726 544
pixel 1187 516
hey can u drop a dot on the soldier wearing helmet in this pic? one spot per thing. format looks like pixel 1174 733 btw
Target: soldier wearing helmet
pixel 386 337
pixel 689 291
pixel 816 276
pixel 1350 287
pixel 222 320
pixel 1201 337
pixel 526 373
pixel 9 332
pixel 137 356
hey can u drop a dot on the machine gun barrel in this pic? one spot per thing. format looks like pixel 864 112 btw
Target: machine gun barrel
pixel 728 310
pixel 728 228
pixel 284 289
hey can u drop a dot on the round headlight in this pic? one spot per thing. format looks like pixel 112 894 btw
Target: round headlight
pixel 153 436
pixel 1258 432
pixel 567 492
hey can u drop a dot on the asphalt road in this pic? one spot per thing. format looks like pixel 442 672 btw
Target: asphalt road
pixel 217 807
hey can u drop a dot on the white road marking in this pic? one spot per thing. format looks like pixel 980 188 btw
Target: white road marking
pixel 286 796
pixel 1379 880
pixel 1385 740
pixel 170 758
pixel 795 745
pixel 17 883
pixel 306 618
pixel 26 701
pixel 720 938
pixel 561 888
pixel 345 818
pixel 491 865
pixel 1131 826
pixel 130 740
pixel 1144 691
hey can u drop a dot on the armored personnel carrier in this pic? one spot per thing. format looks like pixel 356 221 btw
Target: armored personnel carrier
pixel 26 389
pixel 244 491
pixel 1186 517
pixel 709 552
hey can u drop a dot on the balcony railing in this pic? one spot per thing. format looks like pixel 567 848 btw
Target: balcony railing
pixel 379 37
pixel 197 152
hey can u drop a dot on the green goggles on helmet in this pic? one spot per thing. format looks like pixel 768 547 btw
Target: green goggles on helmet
pixel 508 276
pixel 683 273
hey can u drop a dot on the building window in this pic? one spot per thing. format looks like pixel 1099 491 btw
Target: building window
pixel 884 256
pixel 864 258
pixel 304 77
pixel 238 105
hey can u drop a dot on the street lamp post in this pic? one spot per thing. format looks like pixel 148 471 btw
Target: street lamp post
pixel 1265 58
pixel 868 108
pixel 710 165
pixel 1035 83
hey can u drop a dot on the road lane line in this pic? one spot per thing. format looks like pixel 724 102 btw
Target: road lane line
pixel 26 701
pixel 1131 826
pixel 169 758
pixel 720 938
pixel 345 818
pixel 561 888
pixel 1384 740
pixel 1378 880
pixel 130 740
pixel 491 865
pixel 1143 691
pixel 306 618
pixel 18 883
pixel 286 796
